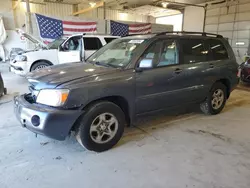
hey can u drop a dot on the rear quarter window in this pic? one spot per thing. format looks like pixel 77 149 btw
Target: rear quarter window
pixel 217 50
pixel 193 50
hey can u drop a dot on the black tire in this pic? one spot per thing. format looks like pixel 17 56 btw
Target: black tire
pixel 39 64
pixel 83 128
pixel 207 107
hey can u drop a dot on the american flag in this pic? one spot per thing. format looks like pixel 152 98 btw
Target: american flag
pixel 51 28
pixel 121 29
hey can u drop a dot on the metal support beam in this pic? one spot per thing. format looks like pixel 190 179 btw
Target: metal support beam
pixel 99 4
pixel 104 17
pixel 28 16
pixel 205 14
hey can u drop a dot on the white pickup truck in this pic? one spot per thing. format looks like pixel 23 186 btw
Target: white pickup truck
pixel 70 49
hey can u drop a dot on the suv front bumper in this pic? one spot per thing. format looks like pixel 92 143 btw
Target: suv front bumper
pixel 20 67
pixel 51 122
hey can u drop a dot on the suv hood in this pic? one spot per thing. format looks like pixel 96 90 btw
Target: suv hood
pixel 31 38
pixel 51 77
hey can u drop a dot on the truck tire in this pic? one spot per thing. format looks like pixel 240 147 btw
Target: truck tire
pixel 215 100
pixel 101 126
pixel 39 65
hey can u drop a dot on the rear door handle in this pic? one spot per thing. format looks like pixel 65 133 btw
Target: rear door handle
pixel 211 65
pixel 178 71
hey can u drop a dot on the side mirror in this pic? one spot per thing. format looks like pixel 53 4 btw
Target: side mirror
pixel 146 63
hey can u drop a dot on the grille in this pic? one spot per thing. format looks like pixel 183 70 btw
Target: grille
pixel 33 92
pixel 29 98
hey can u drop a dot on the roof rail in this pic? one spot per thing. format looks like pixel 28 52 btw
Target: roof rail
pixel 190 33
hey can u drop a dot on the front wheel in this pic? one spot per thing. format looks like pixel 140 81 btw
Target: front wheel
pixel 101 127
pixel 39 65
pixel 215 100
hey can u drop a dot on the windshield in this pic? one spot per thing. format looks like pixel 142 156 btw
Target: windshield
pixel 56 43
pixel 117 53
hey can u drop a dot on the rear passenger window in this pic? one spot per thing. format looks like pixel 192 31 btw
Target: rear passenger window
pixel 194 51
pixel 92 43
pixel 108 40
pixel 217 50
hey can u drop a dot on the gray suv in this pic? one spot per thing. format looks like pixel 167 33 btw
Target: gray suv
pixel 131 76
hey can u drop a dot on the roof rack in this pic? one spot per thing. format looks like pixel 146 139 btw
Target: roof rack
pixel 190 33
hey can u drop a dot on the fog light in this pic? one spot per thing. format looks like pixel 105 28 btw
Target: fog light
pixel 35 120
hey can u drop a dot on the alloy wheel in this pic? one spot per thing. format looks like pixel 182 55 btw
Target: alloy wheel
pixel 103 128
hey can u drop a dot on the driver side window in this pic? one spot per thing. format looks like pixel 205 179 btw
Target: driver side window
pixel 169 54
pixel 150 56
pixel 73 44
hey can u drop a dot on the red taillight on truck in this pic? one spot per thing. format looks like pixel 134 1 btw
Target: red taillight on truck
pixel 238 73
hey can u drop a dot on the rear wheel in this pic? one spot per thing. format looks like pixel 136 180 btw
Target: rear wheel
pixel 215 100
pixel 101 127
pixel 39 65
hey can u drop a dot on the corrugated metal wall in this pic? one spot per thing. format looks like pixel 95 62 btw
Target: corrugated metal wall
pixel 51 9
pixel 232 20
pixel 117 15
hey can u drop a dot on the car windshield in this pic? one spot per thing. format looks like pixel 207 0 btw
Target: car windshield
pixel 118 53
pixel 56 43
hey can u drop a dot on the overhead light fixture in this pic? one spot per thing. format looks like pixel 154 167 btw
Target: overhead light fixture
pixel 164 4
pixel 240 43
pixel 92 4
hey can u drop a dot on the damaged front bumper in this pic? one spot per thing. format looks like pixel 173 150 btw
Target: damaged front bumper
pixel 51 122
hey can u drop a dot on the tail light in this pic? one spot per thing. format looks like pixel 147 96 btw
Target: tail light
pixel 239 73
pixel 248 62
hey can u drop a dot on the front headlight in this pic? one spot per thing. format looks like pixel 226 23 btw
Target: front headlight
pixel 21 58
pixel 52 97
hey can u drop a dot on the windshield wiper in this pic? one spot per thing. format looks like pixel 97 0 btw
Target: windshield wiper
pixel 105 64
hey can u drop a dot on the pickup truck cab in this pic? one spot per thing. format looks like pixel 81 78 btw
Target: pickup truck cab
pixel 129 77
pixel 63 50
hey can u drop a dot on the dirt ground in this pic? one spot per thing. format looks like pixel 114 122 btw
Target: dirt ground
pixel 168 151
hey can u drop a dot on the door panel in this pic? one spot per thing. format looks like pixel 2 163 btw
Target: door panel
pixel 69 57
pixel 196 67
pixel 162 86
pixel 71 50
pixel 88 53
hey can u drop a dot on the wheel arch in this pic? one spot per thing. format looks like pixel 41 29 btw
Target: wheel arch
pixel 116 99
pixel 120 101
pixel 40 60
pixel 226 82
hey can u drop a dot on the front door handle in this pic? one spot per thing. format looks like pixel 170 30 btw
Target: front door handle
pixel 178 71
pixel 211 65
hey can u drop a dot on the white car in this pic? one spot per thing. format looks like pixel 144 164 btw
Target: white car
pixel 63 50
